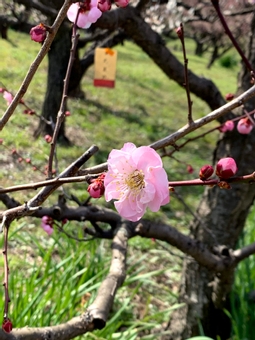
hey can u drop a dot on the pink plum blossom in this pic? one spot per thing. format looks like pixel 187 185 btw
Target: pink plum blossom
pixel 88 13
pixel 8 97
pixel 244 126
pixel 227 126
pixel 47 224
pixel 137 180
pixel 226 168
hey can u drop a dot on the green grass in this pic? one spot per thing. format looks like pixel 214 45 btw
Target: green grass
pixel 242 295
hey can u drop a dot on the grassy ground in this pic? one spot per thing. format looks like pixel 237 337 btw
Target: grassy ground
pixel 144 106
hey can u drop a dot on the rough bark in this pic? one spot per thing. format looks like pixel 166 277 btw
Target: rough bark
pixel 221 218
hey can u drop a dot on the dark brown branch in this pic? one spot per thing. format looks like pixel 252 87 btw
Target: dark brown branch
pixel 243 253
pixel 194 248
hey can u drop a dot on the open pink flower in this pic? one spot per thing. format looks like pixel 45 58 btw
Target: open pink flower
pixel 244 126
pixel 8 97
pixel 88 13
pixel 137 180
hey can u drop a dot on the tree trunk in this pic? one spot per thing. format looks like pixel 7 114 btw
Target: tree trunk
pixel 221 218
pixel 58 57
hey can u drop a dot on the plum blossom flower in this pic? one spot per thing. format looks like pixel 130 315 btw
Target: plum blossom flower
pixel 227 126
pixel 47 224
pixel 8 97
pixel 244 126
pixel 88 13
pixel 226 168
pixel 137 180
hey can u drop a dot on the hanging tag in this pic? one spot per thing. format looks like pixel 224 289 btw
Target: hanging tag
pixel 105 67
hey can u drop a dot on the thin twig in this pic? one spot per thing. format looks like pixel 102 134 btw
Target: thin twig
pixel 61 112
pixel 180 32
pixel 35 64
pixel 215 4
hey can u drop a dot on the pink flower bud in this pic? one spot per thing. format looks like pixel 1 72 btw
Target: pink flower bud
pixel 104 5
pixel 28 160
pixel 47 224
pixel 48 138
pixel 7 325
pixel 226 168
pixel 206 172
pixel 244 126
pixel 20 159
pixel 121 3
pixel 1 140
pixel 179 32
pixel 96 187
pixel 229 96
pixel 38 33
pixel 227 126
pixel 190 169
pixel 8 97
pixel 67 113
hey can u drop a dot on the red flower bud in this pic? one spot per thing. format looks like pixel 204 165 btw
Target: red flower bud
pixel 190 169
pixel 206 172
pixel 226 168
pixel 28 160
pixel 179 32
pixel 7 325
pixel 229 96
pixel 104 5
pixel 38 33
pixel 96 187
pixel 48 138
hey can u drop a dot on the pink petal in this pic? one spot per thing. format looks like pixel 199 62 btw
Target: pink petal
pixel 94 14
pixel 72 11
pixel 145 156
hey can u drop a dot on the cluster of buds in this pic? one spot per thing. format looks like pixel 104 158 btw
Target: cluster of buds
pixel 225 168
pixel 96 188
pixel 244 125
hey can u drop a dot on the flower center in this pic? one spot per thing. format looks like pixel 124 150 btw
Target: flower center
pixel 135 181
